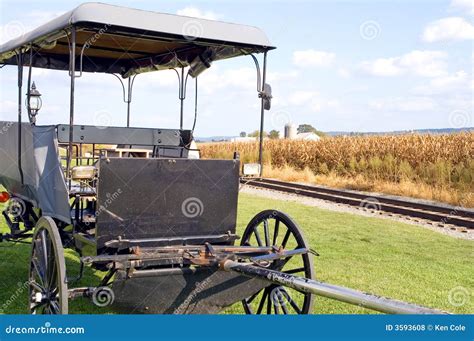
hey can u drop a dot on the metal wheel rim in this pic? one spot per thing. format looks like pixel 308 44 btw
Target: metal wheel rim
pixel 281 292
pixel 48 293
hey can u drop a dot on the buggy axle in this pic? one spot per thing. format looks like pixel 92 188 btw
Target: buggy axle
pixel 377 303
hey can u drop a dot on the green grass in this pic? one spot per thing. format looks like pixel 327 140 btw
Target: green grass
pixel 373 255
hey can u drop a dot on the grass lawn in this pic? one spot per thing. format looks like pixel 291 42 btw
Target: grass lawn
pixel 374 255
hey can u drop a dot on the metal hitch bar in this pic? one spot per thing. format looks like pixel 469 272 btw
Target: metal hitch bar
pixel 377 303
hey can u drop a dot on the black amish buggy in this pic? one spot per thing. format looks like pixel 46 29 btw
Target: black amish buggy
pixel 160 221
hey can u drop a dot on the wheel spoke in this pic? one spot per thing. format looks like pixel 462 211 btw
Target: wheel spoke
pixel 262 302
pixel 294 271
pixel 250 310
pixel 44 247
pixel 53 275
pixel 38 255
pixel 275 232
pixel 251 298
pixel 276 308
pixel 267 233
pixel 45 255
pixel 37 287
pixel 269 303
pixel 37 270
pixel 285 239
pixel 294 305
pixel 257 236
pixel 51 265
pixel 55 307
pixel 37 306
pixel 285 295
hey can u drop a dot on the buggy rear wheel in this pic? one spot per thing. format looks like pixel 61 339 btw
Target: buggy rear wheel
pixel 274 228
pixel 48 293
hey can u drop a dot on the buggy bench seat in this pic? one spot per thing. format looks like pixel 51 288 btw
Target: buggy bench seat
pixel 142 200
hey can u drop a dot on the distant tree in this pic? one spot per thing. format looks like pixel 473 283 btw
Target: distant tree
pixel 256 133
pixel 308 128
pixel 320 133
pixel 253 134
pixel 243 134
pixel 274 134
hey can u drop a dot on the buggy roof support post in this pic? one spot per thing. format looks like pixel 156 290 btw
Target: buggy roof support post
pixel 129 100
pixel 182 95
pixel 262 114
pixel 127 93
pixel 72 74
pixel 19 57
pixel 28 86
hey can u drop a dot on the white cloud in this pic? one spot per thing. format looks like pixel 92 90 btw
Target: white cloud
pixel 448 29
pixel 242 78
pixel 282 76
pixel 448 81
pixel 421 63
pixel 310 101
pixel 163 78
pixel 302 97
pixel 8 107
pixel 410 104
pixel 463 5
pixel 217 78
pixel 458 83
pixel 191 11
pixel 344 73
pixel 382 67
pixel 425 63
pixel 313 58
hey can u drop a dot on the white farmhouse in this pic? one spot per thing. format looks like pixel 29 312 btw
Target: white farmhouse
pixel 307 137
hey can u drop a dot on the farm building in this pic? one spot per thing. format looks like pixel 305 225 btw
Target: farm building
pixel 307 137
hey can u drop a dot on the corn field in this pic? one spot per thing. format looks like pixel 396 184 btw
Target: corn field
pixel 445 161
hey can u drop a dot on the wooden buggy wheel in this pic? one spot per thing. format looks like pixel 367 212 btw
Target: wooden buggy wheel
pixel 274 228
pixel 48 293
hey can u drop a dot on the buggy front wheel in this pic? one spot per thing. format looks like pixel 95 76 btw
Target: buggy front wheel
pixel 276 229
pixel 48 293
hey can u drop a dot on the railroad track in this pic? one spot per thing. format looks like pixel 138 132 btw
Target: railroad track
pixel 454 217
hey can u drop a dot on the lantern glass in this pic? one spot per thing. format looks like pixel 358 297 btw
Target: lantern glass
pixel 35 103
pixel 33 100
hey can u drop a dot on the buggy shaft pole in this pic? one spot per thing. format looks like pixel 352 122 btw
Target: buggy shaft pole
pixel 335 292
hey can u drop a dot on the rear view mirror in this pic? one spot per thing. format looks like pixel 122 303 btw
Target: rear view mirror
pixel 267 97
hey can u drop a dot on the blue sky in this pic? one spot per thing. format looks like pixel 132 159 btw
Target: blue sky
pixel 340 65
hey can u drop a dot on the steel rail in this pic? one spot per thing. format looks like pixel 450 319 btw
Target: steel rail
pixel 442 214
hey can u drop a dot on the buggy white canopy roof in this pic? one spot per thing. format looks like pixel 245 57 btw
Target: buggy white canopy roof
pixel 113 39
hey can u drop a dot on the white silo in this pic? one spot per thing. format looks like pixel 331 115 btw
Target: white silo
pixel 290 131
